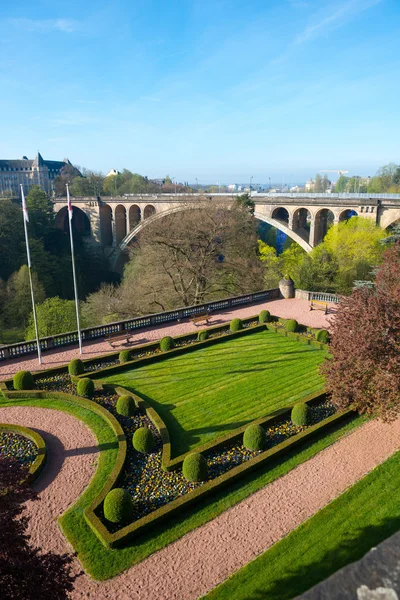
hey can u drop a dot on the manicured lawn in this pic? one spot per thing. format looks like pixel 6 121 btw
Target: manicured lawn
pixel 338 534
pixel 101 563
pixel 205 394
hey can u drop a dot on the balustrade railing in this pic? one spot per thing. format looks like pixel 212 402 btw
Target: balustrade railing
pixel 93 333
pixel 323 296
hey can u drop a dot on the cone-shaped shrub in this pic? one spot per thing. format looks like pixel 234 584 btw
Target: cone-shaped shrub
pixel 254 437
pixel 126 406
pixel 235 325
pixel 143 440
pixel 76 367
pixel 300 414
pixel 202 335
pixel 264 316
pixel 291 325
pixel 85 387
pixel 118 506
pixel 125 356
pixel 194 467
pixel 167 343
pixel 323 336
pixel 23 380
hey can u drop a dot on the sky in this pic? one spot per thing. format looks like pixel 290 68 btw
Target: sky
pixel 218 90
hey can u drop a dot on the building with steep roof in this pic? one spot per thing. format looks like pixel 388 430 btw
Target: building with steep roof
pixel 29 172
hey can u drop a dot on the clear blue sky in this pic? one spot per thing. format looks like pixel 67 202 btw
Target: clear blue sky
pixel 214 89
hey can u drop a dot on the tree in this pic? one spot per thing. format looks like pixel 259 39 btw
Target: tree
pixel 273 265
pixel 188 258
pixel 341 184
pixel 66 175
pixel 41 213
pixel 318 184
pixel 364 370
pixel 18 304
pixel 325 183
pixel 103 306
pixel 12 244
pixel 54 315
pixel 25 571
pixel 245 201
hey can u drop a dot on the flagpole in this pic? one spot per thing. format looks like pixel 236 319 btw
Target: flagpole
pixel 28 256
pixel 73 269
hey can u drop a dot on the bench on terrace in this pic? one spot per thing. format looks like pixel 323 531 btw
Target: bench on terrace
pixel 319 305
pixel 117 336
pixel 200 318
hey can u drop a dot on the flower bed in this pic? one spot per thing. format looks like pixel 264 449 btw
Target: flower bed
pixel 18 447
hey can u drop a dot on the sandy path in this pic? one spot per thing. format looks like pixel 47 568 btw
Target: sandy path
pixel 205 557
pixel 293 309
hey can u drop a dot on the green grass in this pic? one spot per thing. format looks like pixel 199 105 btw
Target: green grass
pixel 205 394
pixel 101 563
pixel 340 533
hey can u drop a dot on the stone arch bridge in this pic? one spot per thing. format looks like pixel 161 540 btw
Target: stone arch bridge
pixel 113 222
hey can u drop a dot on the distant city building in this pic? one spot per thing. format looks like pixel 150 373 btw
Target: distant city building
pixel 309 185
pixel 232 187
pixel 158 181
pixel 29 172
pixel 295 189
pixel 112 173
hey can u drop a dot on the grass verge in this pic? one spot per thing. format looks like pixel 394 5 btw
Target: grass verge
pixel 337 535
pixel 101 563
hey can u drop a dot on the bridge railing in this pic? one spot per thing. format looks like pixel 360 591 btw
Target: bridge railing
pixel 93 333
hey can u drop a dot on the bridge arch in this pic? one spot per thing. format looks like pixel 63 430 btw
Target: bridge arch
pixel 301 223
pixel 323 219
pixel 120 223
pixel 281 214
pixel 149 211
pixel 80 220
pixel 106 225
pixel 345 215
pixel 134 216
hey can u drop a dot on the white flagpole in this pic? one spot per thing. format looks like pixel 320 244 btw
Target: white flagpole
pixel 69 204
pixel 28 256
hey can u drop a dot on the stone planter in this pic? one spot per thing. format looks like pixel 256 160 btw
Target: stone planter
pixel 286 287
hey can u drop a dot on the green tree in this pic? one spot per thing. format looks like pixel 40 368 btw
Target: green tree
pixel 318 187
pixel 246 201
pixel 167 180
pixel 272 263
pixel 41 213
pixel 12 241
pixel 54 316
pixel 18 303
pixel 341 184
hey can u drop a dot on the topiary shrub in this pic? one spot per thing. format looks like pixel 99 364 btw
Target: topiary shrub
pixel 235 325
pixel 85 387
pixel 167 343
pixel 143 440
pixel 194 467
pixel 264 316
pixel 300 414
pixel 126 406
pixel 202 335
pixel 118 506
pixel 125 356
pixel 76 367
pixel 254 437
pixel 323 336
pixel 291 325
pixel 23 380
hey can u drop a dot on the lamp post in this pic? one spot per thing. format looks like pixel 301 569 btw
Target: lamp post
pixel 197 184
pixel 251 179
pixel 174 180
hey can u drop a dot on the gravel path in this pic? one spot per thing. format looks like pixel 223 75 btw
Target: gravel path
pixel 294 309
pixel 205 557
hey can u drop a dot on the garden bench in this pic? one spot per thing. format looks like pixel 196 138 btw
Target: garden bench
pixel 117 336
pixel 319 305
pixel 200 318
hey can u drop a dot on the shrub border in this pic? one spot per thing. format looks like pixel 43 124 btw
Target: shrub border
pixel 37 466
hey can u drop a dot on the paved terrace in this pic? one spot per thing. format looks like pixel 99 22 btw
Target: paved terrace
pixel 288 309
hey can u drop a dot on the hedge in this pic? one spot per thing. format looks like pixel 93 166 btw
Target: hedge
pixel 143 440
pixel 323 336
pixel 194 467
pixel 85 387
pixel 125 356
pixel 264 316
pixel 36 467
pixel 202 336
pixel 23 380
pixel 126 406
pixel 167 343
pixel 76 367
pixel 254 437
pixel 300 414
pixel 235 325
pixel 291 325
pixel 118 506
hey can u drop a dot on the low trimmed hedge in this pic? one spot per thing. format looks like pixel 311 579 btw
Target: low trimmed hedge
pixel 76 367
pixel 143 440
pixel 85 387
pixel 254 437
pixel 23 380
pixel 264 316
pixel 323 336
pixel 291 325
pixel 167 343
pixel 194 467
pixel 235 325
pixel 300 414
pixel 118 506
pixel 36 467
pixel 125 356
pixel 126 406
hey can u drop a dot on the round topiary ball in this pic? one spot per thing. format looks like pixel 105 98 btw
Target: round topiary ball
pixel 202 335
pixel 167 343
pixel 254 437
pixel 76 367
pixel 126 406
pixel 323 336
pixel 143 440
pixel 85 387
pixel 291 325
pixel 235 325
pixel 118 506
pixel 264 316
pixel 194 467
pixel 125 356
pixel 23 380
pixel 300 414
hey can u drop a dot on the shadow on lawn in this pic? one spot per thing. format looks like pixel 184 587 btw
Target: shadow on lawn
pixel 300 579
